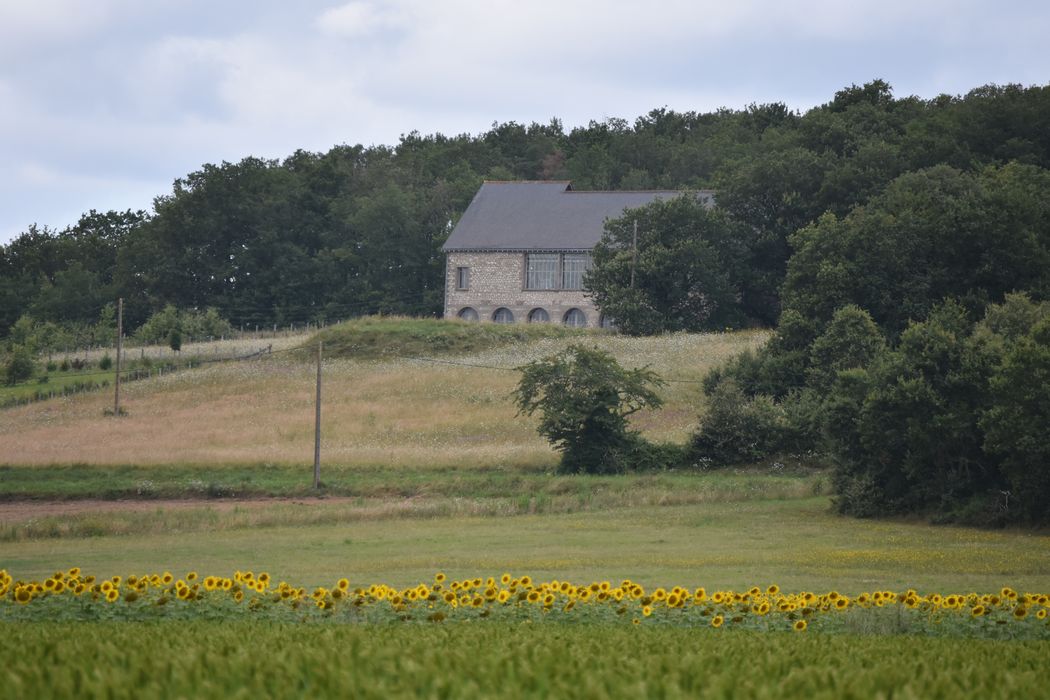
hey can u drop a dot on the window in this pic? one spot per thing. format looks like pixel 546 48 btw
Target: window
pixel 539 316
pixel 556 270
pixel 575 318
pixel 574 266
pixel 503 315
pixel 541 271
pixel 468 314
pixel 462 278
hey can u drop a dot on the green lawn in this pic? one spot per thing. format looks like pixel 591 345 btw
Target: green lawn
pixel 797 543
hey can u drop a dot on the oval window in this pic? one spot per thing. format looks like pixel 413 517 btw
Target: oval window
pixel 503 315
pixel 468 314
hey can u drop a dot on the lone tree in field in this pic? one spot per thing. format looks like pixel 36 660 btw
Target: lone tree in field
pixel 584 397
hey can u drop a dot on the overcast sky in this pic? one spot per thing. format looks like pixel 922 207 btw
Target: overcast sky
pixel 104 103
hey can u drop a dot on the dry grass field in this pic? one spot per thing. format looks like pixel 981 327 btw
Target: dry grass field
pixel 401 412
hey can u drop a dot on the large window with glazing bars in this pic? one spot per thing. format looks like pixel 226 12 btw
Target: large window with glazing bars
pixel 556 270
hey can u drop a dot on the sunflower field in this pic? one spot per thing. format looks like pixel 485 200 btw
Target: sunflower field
pixel 74 595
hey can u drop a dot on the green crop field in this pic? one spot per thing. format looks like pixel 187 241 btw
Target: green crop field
pixel 250 659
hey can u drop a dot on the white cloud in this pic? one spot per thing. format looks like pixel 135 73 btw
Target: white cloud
pixel 361 18
pixel 109 93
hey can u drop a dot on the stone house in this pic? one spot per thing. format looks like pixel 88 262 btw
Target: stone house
pixel 520 251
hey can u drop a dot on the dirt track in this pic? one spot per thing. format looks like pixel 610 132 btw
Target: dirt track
pixel 24 510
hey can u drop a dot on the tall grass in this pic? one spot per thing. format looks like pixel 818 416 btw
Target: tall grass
pixel 393 412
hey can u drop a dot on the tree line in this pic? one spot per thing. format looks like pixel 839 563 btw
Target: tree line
pixel 358 229
pixel 911 349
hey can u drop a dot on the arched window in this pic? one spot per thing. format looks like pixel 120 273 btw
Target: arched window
pixel 539 316
pixel 607 322
pixel 468 314
pixel 575 318
pixel 503 315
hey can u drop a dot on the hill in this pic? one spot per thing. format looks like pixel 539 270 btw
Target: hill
pixel 391 411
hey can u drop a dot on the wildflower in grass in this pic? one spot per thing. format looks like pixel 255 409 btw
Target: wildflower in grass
pixel 773 590
pixel 977 611
pixel 647 610
pixel 439 577
pixel 717 621
pixel 799 626
pixel 112 594
pixel 1020 612
pixel 23 596
pixel 1040 614
pixel 191 576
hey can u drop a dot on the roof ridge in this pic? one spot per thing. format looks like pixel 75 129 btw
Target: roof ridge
pixel 526 182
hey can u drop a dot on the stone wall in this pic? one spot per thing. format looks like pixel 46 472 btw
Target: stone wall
pixel 498 280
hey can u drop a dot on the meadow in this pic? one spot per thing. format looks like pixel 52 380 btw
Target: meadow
pixel 427 468
pixel 437 411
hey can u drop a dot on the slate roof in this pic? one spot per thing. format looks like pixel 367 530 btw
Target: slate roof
pixel 544 215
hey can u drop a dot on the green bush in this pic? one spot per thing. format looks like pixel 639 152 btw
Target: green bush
pixel 584 397
pixel 106 362
pixel 738 428
pixel 19 366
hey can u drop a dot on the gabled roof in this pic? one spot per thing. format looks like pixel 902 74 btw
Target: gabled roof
pixel 544 215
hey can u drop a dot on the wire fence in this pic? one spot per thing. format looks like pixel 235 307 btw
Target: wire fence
pixel 44 392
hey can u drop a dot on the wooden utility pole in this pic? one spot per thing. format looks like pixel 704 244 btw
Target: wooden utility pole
pixel 634 252
pixel 120 347
pixel 317 423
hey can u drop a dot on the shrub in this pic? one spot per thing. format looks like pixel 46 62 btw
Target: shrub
pixel 738 428
pixel 106 362
pixel 19 366
pixel 584 397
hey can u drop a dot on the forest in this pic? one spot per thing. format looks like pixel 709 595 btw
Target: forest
pixel 358 230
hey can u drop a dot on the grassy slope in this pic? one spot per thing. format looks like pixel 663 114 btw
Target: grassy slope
pixel 221 660
pixel 384 337
pixel 402 412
